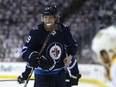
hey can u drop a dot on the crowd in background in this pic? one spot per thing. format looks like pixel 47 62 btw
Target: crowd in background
pixel 18 16
pixel 93 16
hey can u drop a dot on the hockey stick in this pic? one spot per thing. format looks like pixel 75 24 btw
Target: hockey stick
pixel 10 80
pixel 28 77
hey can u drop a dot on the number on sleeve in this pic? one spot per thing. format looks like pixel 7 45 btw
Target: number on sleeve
pixel 28 39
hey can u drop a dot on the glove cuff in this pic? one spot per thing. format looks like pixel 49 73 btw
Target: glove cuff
pixel 33 53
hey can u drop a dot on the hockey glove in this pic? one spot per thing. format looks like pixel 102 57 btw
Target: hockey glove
pixel 46 63
pixel 34 59
pixel 75 81
pixel 24 75
pixel 40 61
pixel 20 79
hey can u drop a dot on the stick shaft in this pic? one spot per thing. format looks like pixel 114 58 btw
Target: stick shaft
pixel 28 77
pixel 10 80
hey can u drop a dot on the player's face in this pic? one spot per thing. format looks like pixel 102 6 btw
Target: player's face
pixel 49 21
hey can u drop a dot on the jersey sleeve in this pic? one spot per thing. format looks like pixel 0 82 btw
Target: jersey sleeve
pixel 70 42
pixel 30 45
pixel 72 73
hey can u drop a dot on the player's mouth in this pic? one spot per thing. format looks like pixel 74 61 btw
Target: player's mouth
pixel 48 24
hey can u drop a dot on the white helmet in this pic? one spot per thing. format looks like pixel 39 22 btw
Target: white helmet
pixel 105 39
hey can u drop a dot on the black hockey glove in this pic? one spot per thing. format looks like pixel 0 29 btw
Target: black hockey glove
pixel 24 75
pixel 34 59
pixel 72 81
pixel 46 63
pixel 40 61
pixel 20 79
pixel 75 81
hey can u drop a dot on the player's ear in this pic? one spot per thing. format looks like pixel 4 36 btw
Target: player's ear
pixel 57 18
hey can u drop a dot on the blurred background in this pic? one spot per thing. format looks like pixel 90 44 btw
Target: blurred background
pixel 86 18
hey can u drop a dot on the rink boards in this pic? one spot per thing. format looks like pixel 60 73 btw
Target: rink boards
pixel 92 75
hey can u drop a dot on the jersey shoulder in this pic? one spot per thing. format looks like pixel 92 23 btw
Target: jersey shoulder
pixel 64 27
pixel 36 29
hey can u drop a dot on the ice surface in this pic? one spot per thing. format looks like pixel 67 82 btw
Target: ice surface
pixel 30 84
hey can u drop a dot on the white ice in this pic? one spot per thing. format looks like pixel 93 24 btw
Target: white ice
pixel 30 84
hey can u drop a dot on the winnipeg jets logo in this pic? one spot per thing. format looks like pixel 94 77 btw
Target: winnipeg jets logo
pixel 53 33
pixel 35 28
pixel 54 50
pixel 47 8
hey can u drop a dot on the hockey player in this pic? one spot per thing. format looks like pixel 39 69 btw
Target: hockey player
pixel 44 49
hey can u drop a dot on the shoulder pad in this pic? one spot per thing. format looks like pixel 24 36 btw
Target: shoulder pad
pixel 65 25
pixel 35 27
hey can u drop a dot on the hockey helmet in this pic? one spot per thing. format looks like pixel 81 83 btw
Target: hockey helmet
pixel 50 9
